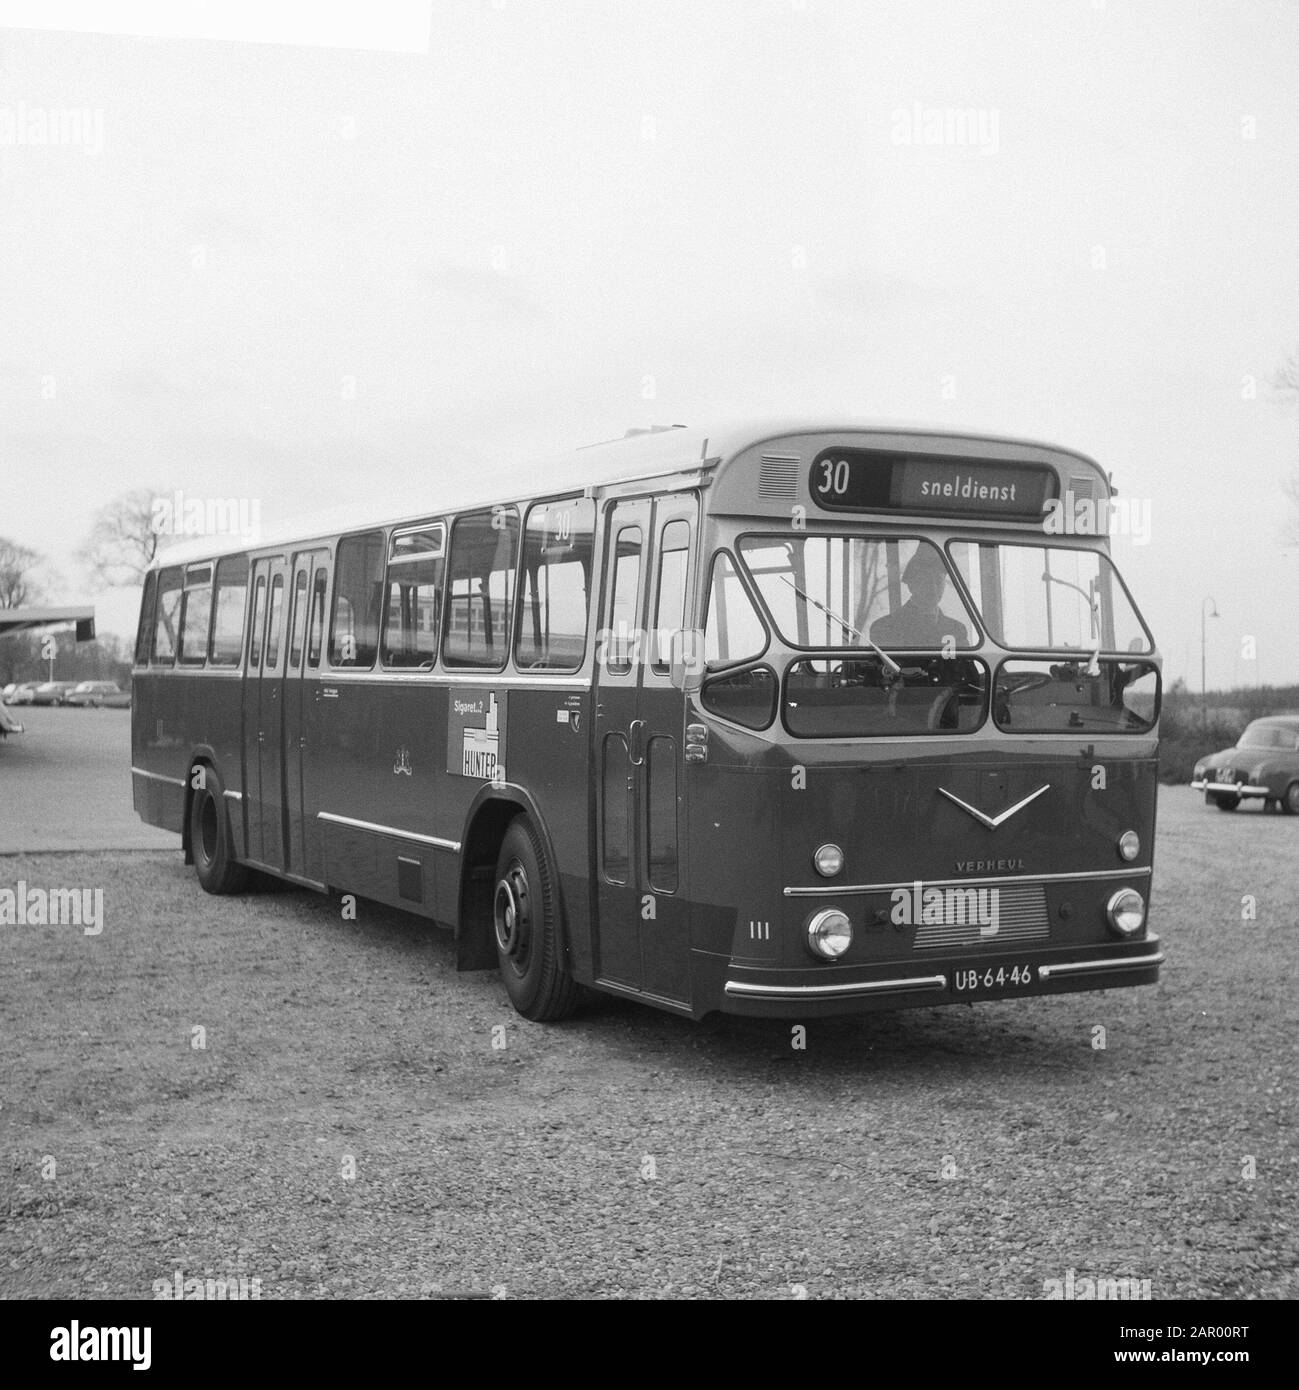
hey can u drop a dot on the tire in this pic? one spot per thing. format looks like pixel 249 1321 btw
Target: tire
pixel 1290 801
pixel 1225 801
pixel 210 840
pixel 526 928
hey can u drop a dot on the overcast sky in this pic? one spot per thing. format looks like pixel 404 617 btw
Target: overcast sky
pixel 304 274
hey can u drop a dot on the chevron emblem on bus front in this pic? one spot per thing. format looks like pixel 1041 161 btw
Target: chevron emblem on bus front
pixel 992 822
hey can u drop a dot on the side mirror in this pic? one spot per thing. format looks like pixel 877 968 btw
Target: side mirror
pixel 687 659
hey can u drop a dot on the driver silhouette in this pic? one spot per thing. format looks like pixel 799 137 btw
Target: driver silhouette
pixel 920 622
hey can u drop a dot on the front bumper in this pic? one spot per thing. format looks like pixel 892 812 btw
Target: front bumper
pixel 780 993
pixel 1241 789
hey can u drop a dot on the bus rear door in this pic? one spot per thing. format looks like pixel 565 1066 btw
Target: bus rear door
pixel 263 724
pixel 306 629
pixel 643 927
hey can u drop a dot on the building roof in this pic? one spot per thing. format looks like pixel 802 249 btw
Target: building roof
pixel 30 619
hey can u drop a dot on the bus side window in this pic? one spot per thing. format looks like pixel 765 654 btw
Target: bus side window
pixel 484 550
pixel 670 602
pixel 259 613
pixel 168 619
pixel 228 614
pixel 299 620
pixel 557 548
pixel 196 615
pixel 273 623
pixel 145 630
pixel 316 628
pixel 624 620
pixel 358 594
pixel 733 631
pixel 414 604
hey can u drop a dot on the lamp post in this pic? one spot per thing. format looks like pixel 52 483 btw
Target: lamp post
pixel 1204 703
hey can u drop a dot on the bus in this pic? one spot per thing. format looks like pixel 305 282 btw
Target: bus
pixel 786 720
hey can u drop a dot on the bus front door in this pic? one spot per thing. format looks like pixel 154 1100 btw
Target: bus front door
pixel 643 925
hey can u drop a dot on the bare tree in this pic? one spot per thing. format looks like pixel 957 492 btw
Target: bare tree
pixel 17 586
pixel 123 540
pixel 1286 377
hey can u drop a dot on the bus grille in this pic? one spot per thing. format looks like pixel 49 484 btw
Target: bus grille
pixel 778 477
pixel 1021 916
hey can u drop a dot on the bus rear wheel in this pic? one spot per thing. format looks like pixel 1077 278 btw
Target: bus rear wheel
pixel 526 927
pixel 209 837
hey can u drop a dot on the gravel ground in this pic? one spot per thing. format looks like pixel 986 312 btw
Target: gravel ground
pixel 958 1152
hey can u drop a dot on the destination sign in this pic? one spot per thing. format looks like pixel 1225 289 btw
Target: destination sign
pixel 863 480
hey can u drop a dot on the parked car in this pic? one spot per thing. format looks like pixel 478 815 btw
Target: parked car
pixel 92 692
pixel 1264 765
pixel 22 693
pixel 122 700
pixel 8 724
pixel 52 692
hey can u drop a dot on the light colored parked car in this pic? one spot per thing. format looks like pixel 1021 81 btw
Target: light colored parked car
pixel 22 693
pixel 92 693
pixel 1264 765
pixel 52 692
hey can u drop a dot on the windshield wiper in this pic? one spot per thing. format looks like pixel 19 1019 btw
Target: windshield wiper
pixel 890 665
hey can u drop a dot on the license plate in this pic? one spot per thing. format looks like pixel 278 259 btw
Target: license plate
pixel 974 980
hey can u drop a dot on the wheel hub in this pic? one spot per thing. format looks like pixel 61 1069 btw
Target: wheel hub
pixel 511 914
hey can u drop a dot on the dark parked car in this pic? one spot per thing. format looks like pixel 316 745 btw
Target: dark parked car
pixel 93 693
pixel 1263 764
pixel 53 692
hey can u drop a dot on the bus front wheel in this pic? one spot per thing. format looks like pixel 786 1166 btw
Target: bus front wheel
pixel 525 924
pixel 209 836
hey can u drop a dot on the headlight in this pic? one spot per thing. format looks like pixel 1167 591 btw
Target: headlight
pixel 1130 845
pixel 1126 911
pixel 829 933
pixel 828 860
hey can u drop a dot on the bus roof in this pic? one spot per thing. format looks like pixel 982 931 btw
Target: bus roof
pixel 640 454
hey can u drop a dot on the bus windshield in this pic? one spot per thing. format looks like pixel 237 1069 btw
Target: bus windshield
pixel 897 594
pixel 1049 598
pixel 851 591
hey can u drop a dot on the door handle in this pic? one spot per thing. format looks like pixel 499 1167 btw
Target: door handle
pixel 636 743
